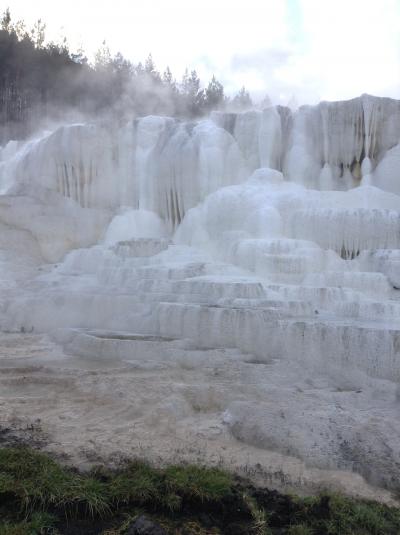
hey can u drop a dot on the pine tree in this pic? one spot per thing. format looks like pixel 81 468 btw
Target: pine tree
pixel 192 94
pixel 102 58
pixel 6 20
pixel 214 95
pixel 38 33
pixel 169 83
pixel 150 69
pixel 242 101
pixel 149 66
pixel 167 77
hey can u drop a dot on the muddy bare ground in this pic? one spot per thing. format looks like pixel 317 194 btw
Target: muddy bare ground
pixel 88 411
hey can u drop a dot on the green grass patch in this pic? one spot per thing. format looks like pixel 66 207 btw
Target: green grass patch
pixel 39 523
pixel 194 482
pixel 38 496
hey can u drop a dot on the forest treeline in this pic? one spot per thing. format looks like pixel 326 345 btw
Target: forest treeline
pixel 42 80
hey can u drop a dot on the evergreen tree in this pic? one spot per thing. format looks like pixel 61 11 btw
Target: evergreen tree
pixel 102 57
pixel 150 69
pixel 192 94
pixel 38 33
pixel 242 101
pixel 171 88
pixel 168 78
pixel 214 95
pixel 6 21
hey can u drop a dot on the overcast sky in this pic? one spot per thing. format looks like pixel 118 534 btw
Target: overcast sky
pixel 314 49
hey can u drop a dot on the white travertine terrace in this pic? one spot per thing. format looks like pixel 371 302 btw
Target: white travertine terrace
pixel 272 232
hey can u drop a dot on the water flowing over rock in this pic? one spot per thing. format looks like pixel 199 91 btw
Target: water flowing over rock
pixel 273 232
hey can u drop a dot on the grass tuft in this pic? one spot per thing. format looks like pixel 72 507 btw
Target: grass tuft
pixel 35 481
pixel 260 517
pixel 348 516
pixel 197 483
pixel 39 524
pixel 138 483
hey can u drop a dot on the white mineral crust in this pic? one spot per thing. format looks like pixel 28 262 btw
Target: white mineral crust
pixel 260 251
